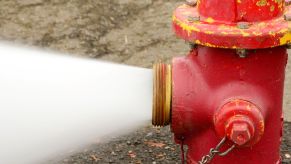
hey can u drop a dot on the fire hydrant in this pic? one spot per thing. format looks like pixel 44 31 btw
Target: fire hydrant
pixel 224 99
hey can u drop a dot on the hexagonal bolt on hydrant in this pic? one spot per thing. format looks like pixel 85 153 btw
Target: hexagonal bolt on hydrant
pixel 224 99
pixel 240 133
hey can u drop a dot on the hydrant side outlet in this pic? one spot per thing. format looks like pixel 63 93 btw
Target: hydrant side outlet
pixel 241 121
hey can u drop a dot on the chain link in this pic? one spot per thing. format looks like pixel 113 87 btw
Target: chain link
pixel 215 151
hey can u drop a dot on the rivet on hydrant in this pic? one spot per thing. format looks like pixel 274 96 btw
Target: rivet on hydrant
pixel 191 2
pixel 287 17
pixel 243 25
pixel 194 18
pixel 242 53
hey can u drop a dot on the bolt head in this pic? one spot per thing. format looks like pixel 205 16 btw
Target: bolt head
pixel 242 53
pixel 193 18
pixel 191 2
pixel 192 46
pixel 287 17
pixel 243 25
pixel 240 133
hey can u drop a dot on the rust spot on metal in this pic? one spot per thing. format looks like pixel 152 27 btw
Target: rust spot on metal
pixel 209 20
pixel 261 3
pixel 272 8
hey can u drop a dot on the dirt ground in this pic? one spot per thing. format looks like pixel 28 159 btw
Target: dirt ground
pixel 134 32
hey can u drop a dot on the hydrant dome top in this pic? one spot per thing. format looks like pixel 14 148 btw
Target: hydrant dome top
pixel 193 25
pixel 241 10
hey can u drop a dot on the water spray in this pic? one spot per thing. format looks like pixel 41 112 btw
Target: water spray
pixel 52 104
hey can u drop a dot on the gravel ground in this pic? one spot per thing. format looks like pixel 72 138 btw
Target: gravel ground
pixel 147 145
pixel 124 31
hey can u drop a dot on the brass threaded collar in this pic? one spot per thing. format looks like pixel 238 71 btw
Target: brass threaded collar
pixel 162 98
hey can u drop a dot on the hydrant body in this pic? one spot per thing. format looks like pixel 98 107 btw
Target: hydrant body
pixel 207 79
pixel 227 92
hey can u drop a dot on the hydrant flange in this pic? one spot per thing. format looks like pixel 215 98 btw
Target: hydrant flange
pixel 192 26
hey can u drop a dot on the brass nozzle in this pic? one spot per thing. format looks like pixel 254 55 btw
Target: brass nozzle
pixel 162 97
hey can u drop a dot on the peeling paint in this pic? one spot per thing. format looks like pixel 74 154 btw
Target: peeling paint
pixel 261 3
pixel 185 26
pixel 210 45
pixel 272 8
pixel 209 32
pixel 273 32
pixel 285 39
pixel 244 33
pixel 209 20
pixel 257 33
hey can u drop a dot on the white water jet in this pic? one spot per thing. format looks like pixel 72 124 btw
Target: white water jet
pixel 52 103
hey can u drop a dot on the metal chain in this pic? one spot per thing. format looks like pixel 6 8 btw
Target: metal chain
pixel 182 151
pixel 215 151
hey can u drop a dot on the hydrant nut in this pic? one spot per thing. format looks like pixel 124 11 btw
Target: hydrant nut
pixel 193 18
pixel 287 17
pixel 240 133
pixel 242 53
pixel 243 25
pixel 191 2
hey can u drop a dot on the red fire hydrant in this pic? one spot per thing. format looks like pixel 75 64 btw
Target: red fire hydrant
pixel 224 99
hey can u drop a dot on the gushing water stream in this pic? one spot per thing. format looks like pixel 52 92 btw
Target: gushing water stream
pixel 53 103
